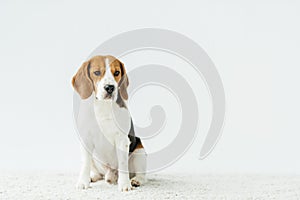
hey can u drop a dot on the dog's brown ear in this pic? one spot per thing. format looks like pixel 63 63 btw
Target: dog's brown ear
pixel 123 84
pixel 81 81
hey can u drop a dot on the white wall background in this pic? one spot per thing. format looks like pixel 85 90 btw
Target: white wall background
pixel 254 44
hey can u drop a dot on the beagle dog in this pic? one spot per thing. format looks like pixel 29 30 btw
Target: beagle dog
pixel 110 149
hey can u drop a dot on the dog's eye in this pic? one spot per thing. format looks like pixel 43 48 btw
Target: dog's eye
pixel 116 73
pixel 97 73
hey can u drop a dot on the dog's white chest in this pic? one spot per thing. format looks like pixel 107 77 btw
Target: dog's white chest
pixel 111 118
pixel 114 124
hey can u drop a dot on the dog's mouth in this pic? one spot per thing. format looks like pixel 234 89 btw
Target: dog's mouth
pixel 105 96
pixel 108 96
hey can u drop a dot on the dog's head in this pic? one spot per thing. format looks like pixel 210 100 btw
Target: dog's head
pixel 103 75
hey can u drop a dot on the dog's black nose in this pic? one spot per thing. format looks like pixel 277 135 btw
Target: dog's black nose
pixel 109 88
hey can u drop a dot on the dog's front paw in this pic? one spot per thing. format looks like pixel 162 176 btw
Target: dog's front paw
pixel 124 186
pixel 83 184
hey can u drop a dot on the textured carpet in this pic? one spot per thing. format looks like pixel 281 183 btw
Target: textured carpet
pixel 159 186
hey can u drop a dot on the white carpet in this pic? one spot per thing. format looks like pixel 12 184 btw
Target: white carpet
pixel 166 186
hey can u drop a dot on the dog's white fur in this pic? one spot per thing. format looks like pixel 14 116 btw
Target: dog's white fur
pixel 105 142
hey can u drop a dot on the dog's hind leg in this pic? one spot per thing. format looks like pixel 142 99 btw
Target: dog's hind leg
pixel 95 174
